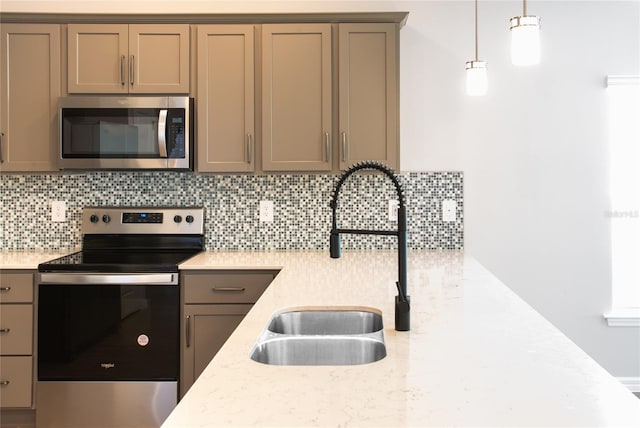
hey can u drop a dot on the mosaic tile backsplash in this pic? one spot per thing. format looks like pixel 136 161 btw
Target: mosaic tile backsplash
pixel 302 216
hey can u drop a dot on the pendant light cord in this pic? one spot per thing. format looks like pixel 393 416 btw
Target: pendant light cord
pixel 476 30
pixel 524 7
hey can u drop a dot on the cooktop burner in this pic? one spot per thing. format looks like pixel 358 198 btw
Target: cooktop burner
pixel 117 262
pixel 134 240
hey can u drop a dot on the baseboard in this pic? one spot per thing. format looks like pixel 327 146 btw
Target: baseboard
pixel 633 383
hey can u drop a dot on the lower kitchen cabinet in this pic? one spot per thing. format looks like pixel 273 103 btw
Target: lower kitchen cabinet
pixel 16 340
pixel 16 377
pixel 215 302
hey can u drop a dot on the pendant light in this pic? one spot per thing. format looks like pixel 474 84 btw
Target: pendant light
pixel 476 70
pixel 525 38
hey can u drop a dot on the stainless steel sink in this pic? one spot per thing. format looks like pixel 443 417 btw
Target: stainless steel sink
pixel 333 350
pixel 321 336
pixel 318 321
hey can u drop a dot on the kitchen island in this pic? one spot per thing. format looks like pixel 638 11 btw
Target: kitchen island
pixel 476 355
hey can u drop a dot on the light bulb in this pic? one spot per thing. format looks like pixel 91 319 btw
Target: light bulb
pixel 477 83
pixel 525 40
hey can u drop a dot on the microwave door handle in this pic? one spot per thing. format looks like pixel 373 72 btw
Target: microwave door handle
pixel 162 133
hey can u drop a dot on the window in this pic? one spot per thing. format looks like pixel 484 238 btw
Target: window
pixel 624 184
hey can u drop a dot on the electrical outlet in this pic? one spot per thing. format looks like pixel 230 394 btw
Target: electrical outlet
pixel 393 210
pixel 448 210
pixel 266 211
pixel 58 211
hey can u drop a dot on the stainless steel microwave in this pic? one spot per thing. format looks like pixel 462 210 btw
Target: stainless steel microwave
pixel 123 133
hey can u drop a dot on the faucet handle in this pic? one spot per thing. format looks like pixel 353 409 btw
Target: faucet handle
pixel 403 314
pixel 334 245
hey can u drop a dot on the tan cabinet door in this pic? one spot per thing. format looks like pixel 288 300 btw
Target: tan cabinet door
pixel 122 58
pixel 29 94
pixel 97 58
pixel 207 328
pixel 16 329
pixel 296 97
pixel 16 380
pixel 368 68
pixel 159 58
pixel 226 134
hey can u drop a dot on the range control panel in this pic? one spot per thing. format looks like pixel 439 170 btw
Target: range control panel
pixel 143 220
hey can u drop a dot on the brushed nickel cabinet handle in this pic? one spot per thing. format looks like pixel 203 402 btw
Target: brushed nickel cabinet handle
pixel 4 383
pixel 122 70
pixel 131 69
pixel 228 289
pixel 326 147
pixel 344 146
pixel 1 141
pixel 187 331
pixel 5 330
pixel 249 154
pixel 5 289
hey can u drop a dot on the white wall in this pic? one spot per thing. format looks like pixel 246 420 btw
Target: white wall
pixel 534 151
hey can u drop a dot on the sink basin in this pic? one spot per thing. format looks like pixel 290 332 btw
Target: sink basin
pixel 317 321
pixel 319 350
pixel 321 336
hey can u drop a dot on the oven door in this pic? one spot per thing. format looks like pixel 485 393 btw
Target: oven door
pixel 101 327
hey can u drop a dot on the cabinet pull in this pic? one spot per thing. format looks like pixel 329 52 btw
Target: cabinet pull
pixel 131 69
pixel 1 140
pixel 5 330
pixel 4 383
pixel 187 331
pixel 5 289
pixel 122 70
pixel 228 289
pixel 344 147
pixel 326 146
pixel 248 148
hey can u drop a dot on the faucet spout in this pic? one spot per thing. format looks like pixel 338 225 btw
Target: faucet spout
pixel 402 303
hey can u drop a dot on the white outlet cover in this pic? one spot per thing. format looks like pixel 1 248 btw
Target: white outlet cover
pixel 58 211
pixel 448 210
pixel 393 210
pixel 266 211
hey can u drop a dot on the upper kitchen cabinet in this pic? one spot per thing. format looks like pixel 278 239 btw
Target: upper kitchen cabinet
pixel 225 67
pixel 296 97
pixel 368 88
pixel 29 94
pixel 122 58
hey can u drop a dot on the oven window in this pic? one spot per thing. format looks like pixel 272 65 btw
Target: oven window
pixel 108 332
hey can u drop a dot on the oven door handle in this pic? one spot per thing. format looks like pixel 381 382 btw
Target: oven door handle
pixel 110 279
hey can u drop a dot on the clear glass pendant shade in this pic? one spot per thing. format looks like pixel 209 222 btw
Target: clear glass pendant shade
pixel 477 82
pixel 525 40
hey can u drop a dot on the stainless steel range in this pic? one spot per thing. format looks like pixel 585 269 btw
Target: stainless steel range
pixel 109 316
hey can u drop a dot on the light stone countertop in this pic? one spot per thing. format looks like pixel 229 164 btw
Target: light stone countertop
pixel 29 259
pixel 476 355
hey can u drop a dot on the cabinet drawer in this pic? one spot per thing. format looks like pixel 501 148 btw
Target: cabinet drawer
pixel 16 329
pixel 16 287
pixel 16 376
pixel 208 287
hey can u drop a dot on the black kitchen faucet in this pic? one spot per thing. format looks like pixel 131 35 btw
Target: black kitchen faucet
pixel 403 306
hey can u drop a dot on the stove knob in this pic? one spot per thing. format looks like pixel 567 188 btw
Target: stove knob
pixel 94 218
pixel 189 219
pixel 177 218
pixel 106 218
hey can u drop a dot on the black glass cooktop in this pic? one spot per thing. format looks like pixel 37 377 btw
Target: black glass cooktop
pixel 119 261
